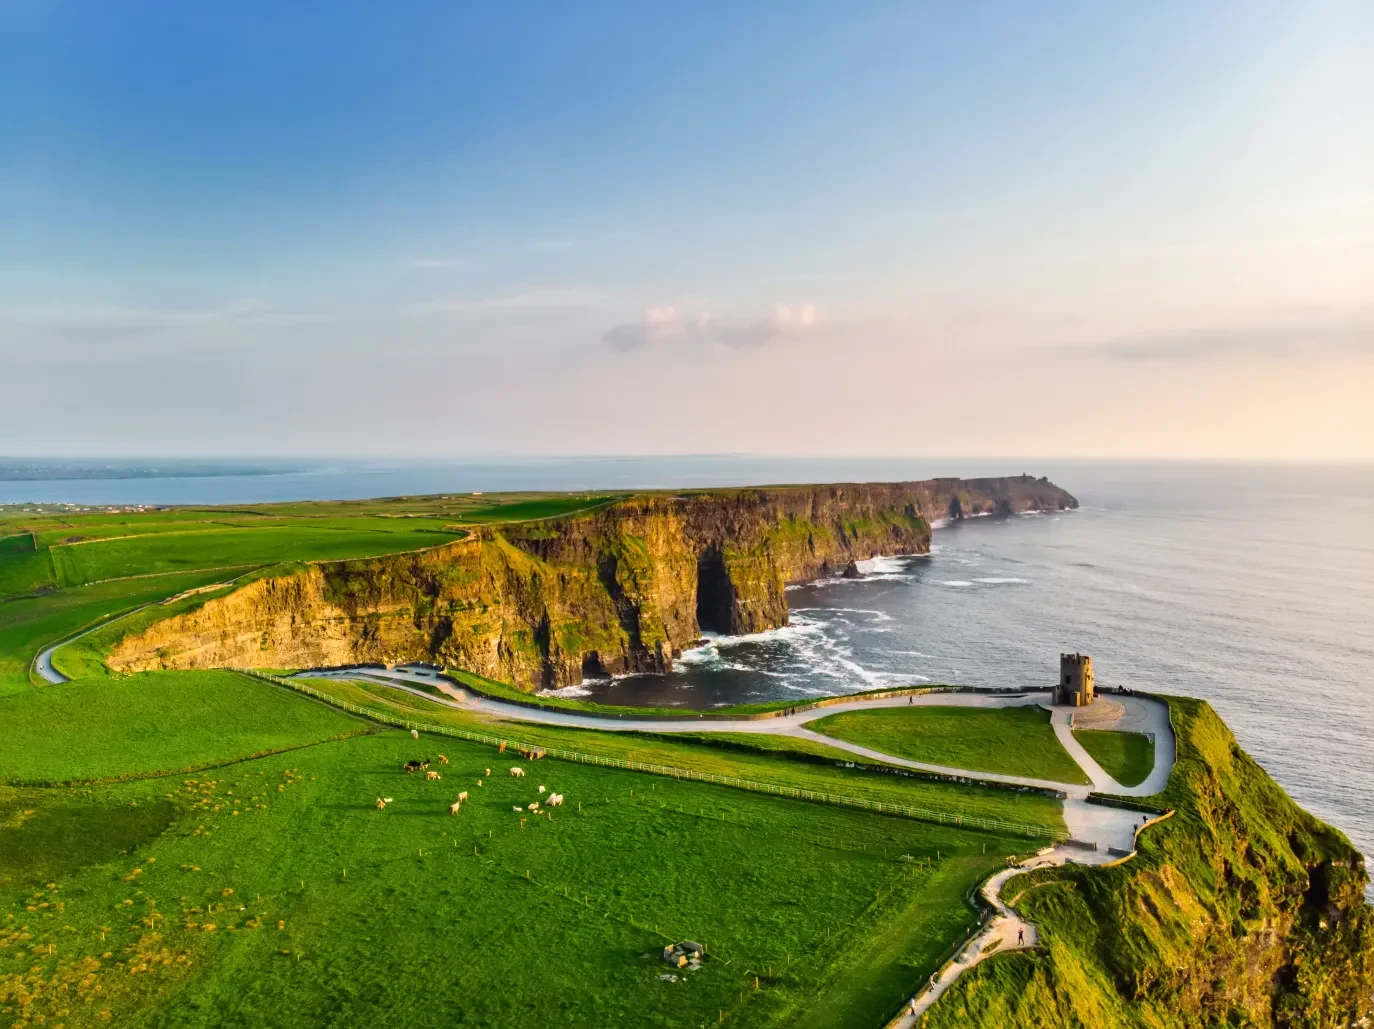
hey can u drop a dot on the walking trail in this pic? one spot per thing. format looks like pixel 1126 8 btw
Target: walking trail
pixel 1097 833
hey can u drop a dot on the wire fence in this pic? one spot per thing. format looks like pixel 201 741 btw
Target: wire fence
pixel 997 825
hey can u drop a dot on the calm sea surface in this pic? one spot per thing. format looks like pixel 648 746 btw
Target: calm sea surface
pixel 1252 587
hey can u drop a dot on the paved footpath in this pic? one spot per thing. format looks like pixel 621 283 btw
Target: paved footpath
pixel 1100 827
pixel 1097 830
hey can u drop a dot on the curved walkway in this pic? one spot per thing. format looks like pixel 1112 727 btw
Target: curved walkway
pixel 1098 833
pixel 1095 830
pixel 1093 824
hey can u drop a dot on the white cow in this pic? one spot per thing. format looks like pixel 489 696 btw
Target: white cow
pixel 517 772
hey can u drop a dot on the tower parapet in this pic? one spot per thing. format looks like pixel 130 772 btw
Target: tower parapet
pixel 1075 686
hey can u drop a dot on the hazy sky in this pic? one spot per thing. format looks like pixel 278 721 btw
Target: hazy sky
pixel 1068 229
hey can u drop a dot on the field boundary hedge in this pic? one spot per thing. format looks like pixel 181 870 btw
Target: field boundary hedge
pixel 997 825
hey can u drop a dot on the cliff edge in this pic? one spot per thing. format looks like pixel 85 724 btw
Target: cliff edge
pixel 1240 910
pixel 623 588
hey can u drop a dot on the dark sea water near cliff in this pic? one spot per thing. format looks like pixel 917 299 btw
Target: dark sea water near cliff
pixel 1252 587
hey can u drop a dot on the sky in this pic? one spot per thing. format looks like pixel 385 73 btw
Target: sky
pixel 1062 229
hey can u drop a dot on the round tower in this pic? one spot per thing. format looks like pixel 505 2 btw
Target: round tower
pixel 1075 686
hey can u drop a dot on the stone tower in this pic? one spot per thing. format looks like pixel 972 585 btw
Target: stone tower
pixel 1075 686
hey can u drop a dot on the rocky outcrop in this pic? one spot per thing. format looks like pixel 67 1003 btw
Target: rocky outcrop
pixel 622 588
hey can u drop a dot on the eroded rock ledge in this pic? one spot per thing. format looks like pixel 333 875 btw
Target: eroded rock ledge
pixel 620 589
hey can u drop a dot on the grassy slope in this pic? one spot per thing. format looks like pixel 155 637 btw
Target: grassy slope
pixel 1009 741
pixel 704 755
pixel 228 547
pixel 1128 757
pixel 1242 909
pixel 155 722
pixel 28 624
pixel 169 901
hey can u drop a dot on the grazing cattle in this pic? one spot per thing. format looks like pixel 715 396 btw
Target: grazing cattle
pixel 518 810
pixel 431 775
pixel 555 800
pixel 502 748
pixel 517 772
pixel 443 760
pixel 380 803
pixel 462 796
pixel 415 766
pixel 479 782
pixel 487 774
pixel 532 807
pixel 453 808
pixel 414 734
pixel 541 789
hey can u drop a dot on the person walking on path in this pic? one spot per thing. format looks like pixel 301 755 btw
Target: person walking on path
pixel 1020 937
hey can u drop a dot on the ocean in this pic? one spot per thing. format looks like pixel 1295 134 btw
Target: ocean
pixel 1249 586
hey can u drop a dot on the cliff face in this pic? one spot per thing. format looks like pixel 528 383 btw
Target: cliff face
pixel 619 589
pixel 1241 910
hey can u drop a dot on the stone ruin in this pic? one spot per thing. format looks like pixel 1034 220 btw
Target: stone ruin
pixel 686 955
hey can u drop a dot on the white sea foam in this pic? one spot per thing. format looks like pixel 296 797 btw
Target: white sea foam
pixel 995 581
pixel 956 582
pixel 581 689
pixel 878 616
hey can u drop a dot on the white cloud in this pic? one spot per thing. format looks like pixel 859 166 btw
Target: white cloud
pixel 666 326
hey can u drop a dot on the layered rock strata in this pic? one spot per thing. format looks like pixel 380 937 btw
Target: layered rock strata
pixel 623 588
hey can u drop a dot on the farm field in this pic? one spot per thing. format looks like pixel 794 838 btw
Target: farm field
pixel 43 549
pixel 261 892
pixel 155 723
pixel 723 757
pixel 1128 757
pixel 1008 741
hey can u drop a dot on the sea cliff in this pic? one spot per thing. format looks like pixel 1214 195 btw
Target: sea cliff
pixel 1240 910
pixel 623 588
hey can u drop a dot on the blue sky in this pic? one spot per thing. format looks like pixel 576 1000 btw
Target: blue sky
pixel 676 228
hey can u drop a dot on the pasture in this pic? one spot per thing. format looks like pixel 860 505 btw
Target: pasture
pixel 1128 757
pixel 782 765
pixel 155 723
pixel 1008 741
pixel 273 893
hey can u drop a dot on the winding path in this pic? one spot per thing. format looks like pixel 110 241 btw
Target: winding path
pixel 1098 833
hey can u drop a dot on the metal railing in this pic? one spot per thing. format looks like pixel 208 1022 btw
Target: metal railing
pixel 923 814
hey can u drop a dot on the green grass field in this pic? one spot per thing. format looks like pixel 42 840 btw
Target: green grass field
pixel 1008 741
pixel 262 893
pixel 1128 757
pixel 28 624
pixel 155 723
pixel 722 757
